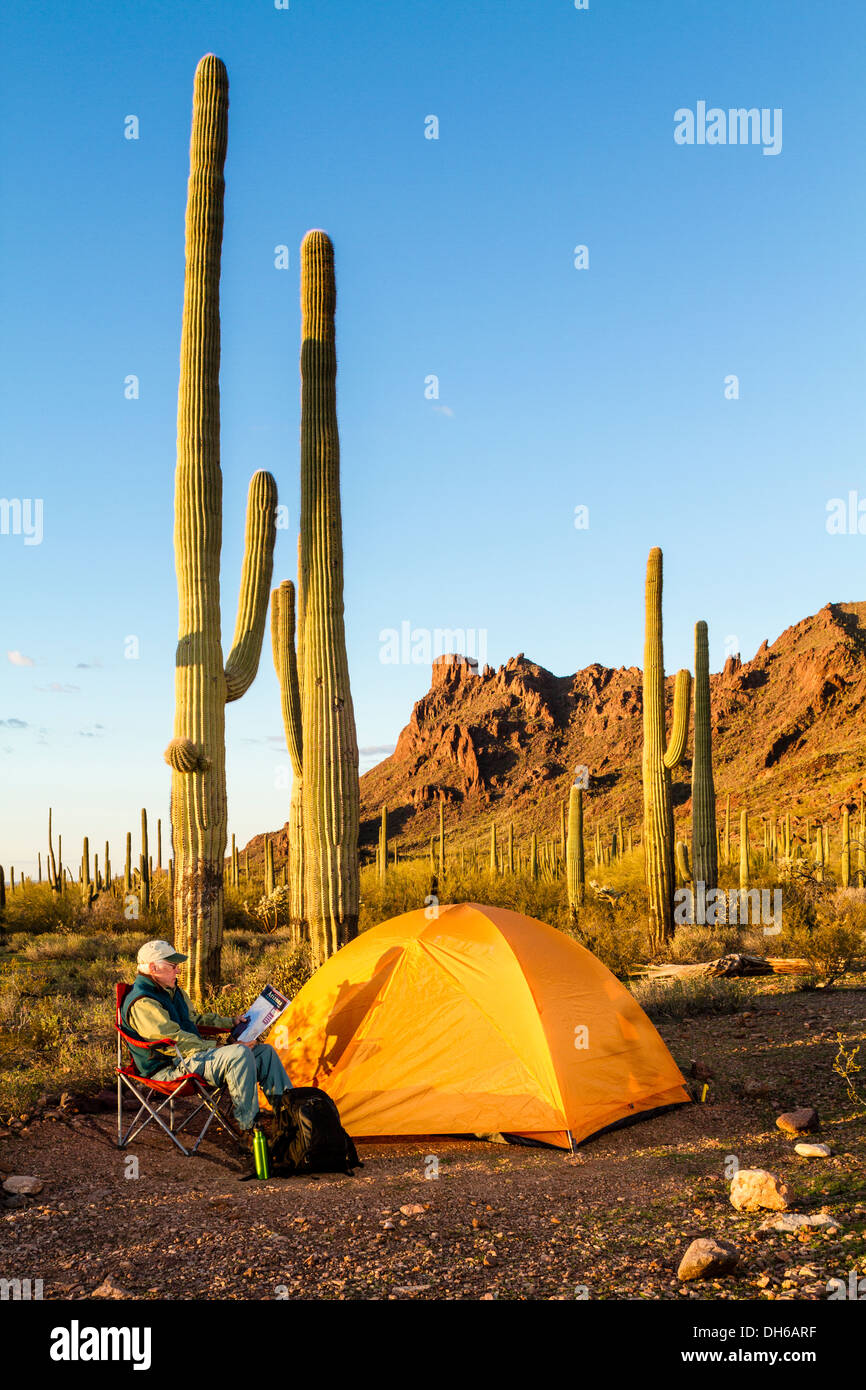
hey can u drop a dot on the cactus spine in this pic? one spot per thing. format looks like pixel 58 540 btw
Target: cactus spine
pixel 203 682
pixel 574 862
pixel 331 793
pixel 705 861
pixel 659 758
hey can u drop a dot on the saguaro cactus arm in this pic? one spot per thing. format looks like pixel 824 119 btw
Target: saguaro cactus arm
pixel 261 534
pixel 679 735
pixel 286 666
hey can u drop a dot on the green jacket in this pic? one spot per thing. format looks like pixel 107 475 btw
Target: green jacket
pixel 148 1010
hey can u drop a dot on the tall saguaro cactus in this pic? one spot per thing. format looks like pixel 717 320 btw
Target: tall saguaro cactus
pixel 331 799
pixel 659 757
pixel 383 846
pixel 574 861
pixel 705 857
pixel 203 682
pixel 745 857
pixel 286 664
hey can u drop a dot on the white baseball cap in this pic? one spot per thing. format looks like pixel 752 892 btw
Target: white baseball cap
pixel 159 953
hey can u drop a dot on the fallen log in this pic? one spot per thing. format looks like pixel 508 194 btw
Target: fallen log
pixel 736 966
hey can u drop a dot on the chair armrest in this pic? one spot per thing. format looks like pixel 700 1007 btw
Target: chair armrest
pixel 208 1032
pixel 145 1042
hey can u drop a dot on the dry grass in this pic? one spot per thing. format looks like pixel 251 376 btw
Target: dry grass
pixel 59 962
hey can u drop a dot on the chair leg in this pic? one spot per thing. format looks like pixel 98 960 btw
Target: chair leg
pixel 207 1100
pixel 135 1128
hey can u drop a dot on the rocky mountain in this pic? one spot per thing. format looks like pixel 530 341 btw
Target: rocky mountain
pixel 502 745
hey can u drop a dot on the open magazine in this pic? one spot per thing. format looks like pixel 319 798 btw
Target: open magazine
pixel 263 1011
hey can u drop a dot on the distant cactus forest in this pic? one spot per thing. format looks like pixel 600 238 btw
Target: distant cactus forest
pixel 743 892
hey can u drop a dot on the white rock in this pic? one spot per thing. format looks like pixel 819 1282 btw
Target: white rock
pixel 18 1183
pixel 794 1221
pixel 813 1150
pixel 109 1288
pixel 752 1188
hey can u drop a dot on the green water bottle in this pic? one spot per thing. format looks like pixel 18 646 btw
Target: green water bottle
pixel 260 1154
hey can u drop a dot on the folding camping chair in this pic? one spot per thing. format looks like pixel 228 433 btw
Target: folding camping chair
pixel 209 1098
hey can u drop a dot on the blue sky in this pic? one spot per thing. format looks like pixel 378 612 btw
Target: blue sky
pixel 558 387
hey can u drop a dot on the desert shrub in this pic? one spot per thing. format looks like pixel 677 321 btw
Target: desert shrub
pixel 114 914
pixel 36 908
pixel 275 960
pixel 407 885
pixel 617 937
pixel 239 915
pixel 76 946
pixel 683 998
pixel 832 938
pixel 271 911
pixel 693 943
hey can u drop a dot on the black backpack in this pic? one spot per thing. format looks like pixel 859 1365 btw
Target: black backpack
pixel 308 1135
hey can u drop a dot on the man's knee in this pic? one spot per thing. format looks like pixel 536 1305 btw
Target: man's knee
pixel 238 1056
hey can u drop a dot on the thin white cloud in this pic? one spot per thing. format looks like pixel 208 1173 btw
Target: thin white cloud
pixel 445 410
pixel 55 688
pixel 19 659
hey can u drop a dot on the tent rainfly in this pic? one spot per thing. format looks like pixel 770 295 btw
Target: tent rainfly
pixel 475 1020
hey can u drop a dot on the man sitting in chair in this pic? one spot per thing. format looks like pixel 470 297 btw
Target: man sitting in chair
pixel 156 1007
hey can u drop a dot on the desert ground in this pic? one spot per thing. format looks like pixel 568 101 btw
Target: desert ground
pixel 484 1220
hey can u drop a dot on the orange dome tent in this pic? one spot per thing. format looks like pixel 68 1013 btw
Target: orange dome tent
pixel 478 1021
